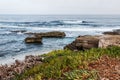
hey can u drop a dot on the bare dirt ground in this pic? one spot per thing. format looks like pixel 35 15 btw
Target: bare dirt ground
pixel 108 68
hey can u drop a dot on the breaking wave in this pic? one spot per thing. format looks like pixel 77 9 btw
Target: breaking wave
pixel 47 23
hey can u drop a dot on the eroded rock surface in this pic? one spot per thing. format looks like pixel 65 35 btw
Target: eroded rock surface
pixel 109 40
pixel 83 43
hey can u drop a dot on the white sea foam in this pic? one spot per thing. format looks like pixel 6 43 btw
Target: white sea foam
pixel 65 29
pixel 7 32
pixel 11 59
pixel 79 28
pixel 11 27
pixel 72 22
pixel 102 29
pixel 20 33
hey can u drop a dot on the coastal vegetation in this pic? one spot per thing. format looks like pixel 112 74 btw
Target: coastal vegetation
pixel 76 65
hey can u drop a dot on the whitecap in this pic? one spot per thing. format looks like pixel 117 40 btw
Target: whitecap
pixel 73 22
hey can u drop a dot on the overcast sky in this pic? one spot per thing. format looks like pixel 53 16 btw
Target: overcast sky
pixel 59 7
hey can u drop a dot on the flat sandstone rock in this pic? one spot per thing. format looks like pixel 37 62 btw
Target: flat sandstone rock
pixel 109 40
pixel 53 34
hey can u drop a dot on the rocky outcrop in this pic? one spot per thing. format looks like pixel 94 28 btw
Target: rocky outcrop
pixel 53 34
pixel 37 37
pixel 8 72
pixel 83 43
pixel 33 40
pixel 88 42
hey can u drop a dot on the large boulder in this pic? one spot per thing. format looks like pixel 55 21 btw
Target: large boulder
pixel 53 34
pixel 33 40
pixel 88 42
pixel 83 43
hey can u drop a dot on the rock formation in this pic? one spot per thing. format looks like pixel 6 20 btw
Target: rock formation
pixel 83 43
pixel 53 34
pixel 37 37
pixel 33 40
pixel 88 42
pixel 111 33
pixel 109 40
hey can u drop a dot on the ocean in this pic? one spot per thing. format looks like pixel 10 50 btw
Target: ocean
pixel 12 45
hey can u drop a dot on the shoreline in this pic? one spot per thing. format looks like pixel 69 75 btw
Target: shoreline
pixel 11 60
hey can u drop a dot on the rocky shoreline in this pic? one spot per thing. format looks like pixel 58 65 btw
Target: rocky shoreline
pixel 7 72
pixel 80 43
pixel 101 41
